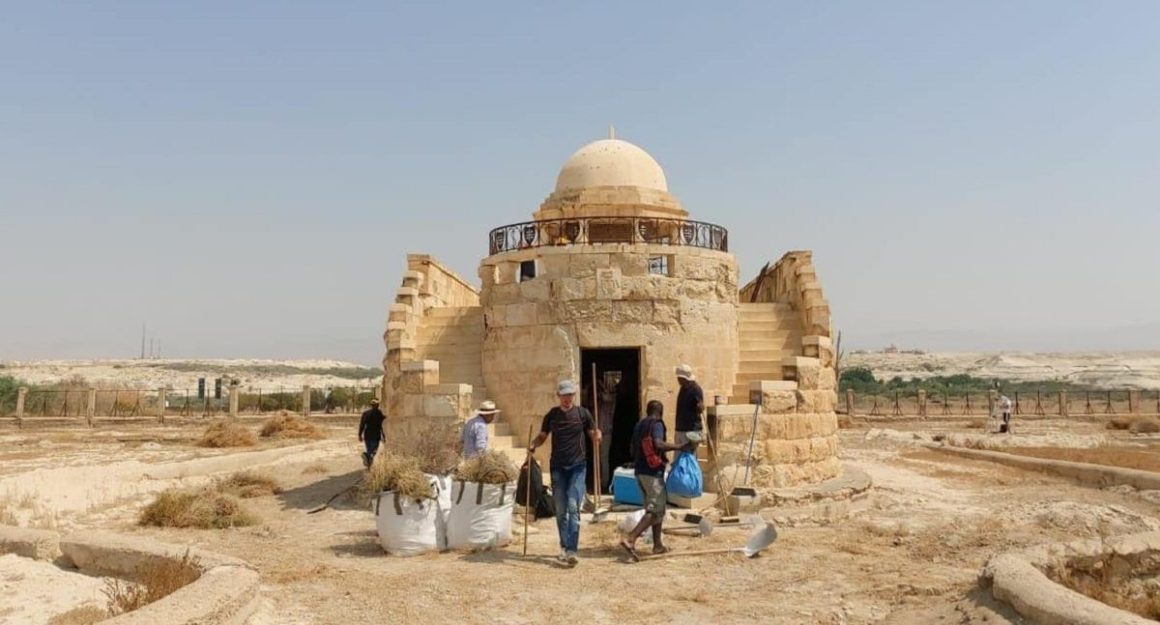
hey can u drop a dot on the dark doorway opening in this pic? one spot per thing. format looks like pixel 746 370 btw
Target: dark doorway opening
pixel 617 387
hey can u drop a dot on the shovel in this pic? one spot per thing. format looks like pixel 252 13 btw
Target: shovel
pixel 760 539
pixel 702 529
pixel 598 515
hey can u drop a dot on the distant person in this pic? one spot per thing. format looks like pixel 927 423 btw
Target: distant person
pixel 371 431
pixel 567 424
pixel 649 461
pixel 474 437
pixel 1005 410
pixel 690 405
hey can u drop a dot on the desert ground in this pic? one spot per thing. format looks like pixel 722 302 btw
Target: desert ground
pixel 911 556
pixel 1109 370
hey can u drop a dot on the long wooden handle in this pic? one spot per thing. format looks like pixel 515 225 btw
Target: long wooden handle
pixel 702 552
pixel 528 491
pixel 596 455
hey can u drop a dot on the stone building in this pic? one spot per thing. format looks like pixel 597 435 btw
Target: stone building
pixel 612 277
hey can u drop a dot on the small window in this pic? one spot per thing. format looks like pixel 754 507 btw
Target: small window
pixel 658 265
pixel 527 270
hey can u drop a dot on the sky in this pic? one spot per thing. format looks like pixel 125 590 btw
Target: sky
pixel 247 178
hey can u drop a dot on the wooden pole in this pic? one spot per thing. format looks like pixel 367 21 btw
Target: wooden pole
pixel 528 490
pixel 597 456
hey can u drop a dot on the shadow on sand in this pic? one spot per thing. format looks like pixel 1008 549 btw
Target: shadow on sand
pixel 314 495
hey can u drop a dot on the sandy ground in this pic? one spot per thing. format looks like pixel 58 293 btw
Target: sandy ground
pixel 912 558
pixel 33 592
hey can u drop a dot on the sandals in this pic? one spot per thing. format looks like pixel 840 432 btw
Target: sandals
pixel 632 555
pixel 661 550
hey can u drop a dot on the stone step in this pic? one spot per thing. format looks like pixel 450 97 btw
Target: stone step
pixel 498 429
pixel 746 378
pixel 764 334
pixel 759 366
pixel 750 355
pixel 762 344
pixel 747 306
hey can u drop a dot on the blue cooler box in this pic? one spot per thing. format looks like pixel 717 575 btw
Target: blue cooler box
pixel 624 488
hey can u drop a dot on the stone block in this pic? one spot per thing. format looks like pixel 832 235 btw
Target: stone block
pixel 608 284
pixel 410 405
pixel 555 265
pixel 536 290
pixel 567 289
pixel 521 314
pixel 666 312
pixel 804 370
pixel 631 312
pixel 816 401
pixel 778 402
pixel 820 347
pixel 585 265
pixel 827 379
pixel 446 406
pixel 630 264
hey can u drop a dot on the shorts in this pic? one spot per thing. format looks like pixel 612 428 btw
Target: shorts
pixel 653 494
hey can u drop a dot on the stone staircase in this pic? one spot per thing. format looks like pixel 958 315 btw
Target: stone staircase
pixel 454 337
pixel 767 334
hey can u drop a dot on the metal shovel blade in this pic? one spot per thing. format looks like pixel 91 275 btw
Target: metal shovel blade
pixel 761 538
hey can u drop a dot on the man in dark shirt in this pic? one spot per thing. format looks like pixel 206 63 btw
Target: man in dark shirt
pixel 690 405
pixel 370 431
pixel 567 424
pixel 648 453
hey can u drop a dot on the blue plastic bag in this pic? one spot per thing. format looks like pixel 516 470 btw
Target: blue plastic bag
pixel 685 477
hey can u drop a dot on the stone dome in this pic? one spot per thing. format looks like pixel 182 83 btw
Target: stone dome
pixel 611 163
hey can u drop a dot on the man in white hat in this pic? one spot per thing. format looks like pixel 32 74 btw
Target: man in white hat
pixel 690 405
pixel 474 437
pixel 567 424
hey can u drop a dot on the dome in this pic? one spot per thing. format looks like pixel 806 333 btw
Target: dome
pixel 611 163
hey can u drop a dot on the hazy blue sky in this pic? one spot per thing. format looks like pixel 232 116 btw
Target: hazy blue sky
pixel 248 177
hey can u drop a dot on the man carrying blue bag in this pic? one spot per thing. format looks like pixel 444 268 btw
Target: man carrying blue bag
pixel 648 452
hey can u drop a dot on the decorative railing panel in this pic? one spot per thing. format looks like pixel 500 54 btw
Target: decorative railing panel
pixel 596 230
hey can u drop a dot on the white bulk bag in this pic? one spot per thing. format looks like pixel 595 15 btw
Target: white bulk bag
pixel 481 515
pixel 443 508
pixel 406 527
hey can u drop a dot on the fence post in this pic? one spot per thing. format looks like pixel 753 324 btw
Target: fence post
pixel 306 400
pixel 91 408
pixel 1133 402
pixel 234 395
pixel 992 397
pixel 850 402
pixel 922 403
pixel 162 399
pixel 1063 403
pixel 21 394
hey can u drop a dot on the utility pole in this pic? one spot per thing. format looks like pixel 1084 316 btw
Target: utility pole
pixel 142 340
pixel 151 348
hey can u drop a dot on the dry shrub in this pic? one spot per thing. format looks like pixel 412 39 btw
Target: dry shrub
pixel 844 422
pixel 286 425
pixel 248 484
pixel 202 508
pixel 84 615
pixel 489 467
pixel 159 581
pixel 397 473
pixel 435 446
pixel 227 434
pixel 1119 423
pixel 315 468
pixel 1145 426
pixel 1102 579
pixel 978 424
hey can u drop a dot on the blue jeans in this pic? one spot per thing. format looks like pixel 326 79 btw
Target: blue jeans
pixel 568 492
pixel 372 447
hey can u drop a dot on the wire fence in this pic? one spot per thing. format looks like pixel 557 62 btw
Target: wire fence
pixel 1037 403
pixel 84 403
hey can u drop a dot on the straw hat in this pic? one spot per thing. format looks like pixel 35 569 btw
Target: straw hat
pixel 686 372
pixel 487 407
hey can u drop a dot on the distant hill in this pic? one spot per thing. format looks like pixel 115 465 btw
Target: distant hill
pixel 1140 370
pixel 183 374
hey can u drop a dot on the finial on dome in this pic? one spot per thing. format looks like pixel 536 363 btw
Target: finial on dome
pixel 611 131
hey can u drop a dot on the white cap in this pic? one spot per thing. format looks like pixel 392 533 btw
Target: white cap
pixel 686 372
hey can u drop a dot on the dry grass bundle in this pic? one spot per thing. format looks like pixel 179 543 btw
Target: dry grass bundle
pixel 1145 426
pixel 286 425
pixel 489 467
pixel 435 446
pixel 1119 423
pixel 400 474
pixel 315 468
pixel 227 434
pixel 248 484
pixel 159 581
pixel 202 508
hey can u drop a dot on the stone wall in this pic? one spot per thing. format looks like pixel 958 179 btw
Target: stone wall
pixel 610 202
pixel 427 284
pixel 793 280
pixel 603 296
pixel 797 428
